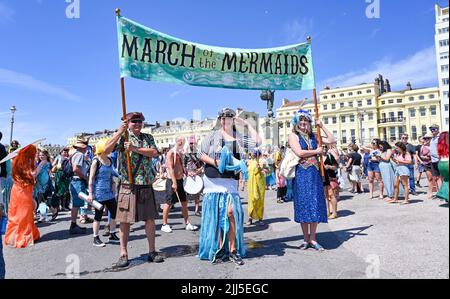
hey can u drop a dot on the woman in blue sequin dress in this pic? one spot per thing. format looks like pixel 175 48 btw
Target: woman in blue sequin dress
pixel 309 196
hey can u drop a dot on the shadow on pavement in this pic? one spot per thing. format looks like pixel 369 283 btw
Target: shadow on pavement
pixel 345 213
pixel 277 247
pixel 445 205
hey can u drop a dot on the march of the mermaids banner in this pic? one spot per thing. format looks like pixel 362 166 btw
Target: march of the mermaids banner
pixel 150 55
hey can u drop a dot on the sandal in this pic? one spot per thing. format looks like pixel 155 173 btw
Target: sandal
pixel 317 246
pixel 304 246
pixel 54 216
pixel 405 203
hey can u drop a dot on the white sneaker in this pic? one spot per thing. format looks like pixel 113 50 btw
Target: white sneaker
pixel 191 227
pixel 166 228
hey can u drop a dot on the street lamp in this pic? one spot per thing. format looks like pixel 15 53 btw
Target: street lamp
pixel 360 115
pixel 13 110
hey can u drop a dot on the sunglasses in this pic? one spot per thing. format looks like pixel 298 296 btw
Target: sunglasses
pixel 136 121
pixel 433 129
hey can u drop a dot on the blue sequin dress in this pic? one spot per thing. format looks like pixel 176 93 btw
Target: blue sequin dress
pixel 309 196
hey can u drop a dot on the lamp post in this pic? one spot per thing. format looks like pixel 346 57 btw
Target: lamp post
pixel 13 110
pixel 360 115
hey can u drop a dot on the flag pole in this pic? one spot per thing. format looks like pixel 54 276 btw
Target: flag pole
pixel 319 134
pixel 124 112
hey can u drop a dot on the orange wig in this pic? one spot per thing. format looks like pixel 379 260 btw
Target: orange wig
pixel 23 165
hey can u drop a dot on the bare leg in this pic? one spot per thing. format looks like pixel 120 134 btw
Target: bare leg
pixel 96 228
pixel 396 189
pixel 150 232
pixel 380 184
pixel 430 184
pixel 185 212
pixel 166 211
pixel 124 235
pixel 405 183
pixel 305 229
pixel 232 231
pixel 371 179
pixel 313 232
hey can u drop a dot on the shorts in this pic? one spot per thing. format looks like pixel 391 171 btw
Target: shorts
pixel 171 197
pixel 136 203
pixel 374 167
pixel 421 168
pixel 435 169
pixel 402 170
pixel 425 167
pixel 111 205
pixel 77 186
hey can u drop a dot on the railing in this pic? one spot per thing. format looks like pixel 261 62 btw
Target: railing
pixel 391 120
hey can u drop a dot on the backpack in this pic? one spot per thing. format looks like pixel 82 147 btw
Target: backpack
pixel 67 168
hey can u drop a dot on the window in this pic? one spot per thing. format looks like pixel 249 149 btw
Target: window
pixel 280 114
pixel 334 119
pixel 344 136
pixel 390 101
pixel 342 105
pixel 369 91
pixel 335 135
pixel 383 102
pixel 443 43
pixel 412 112
pixel 353 134
pixel 399 101
pixel 446 107
pixel 400 132
pixel 400 115
pixel 333 106
pixel 342 95
pixel 280 125
pixel 433 110
pixel 414 132
pixel 421 98
pixel 288 113
pixel 431 96
pixel 444 68
pixel 445 81
pixel 369 102
pixel 362 117
pixel 325 97
pixel 411 99
pixel 325 107
pixel 359 103
pixel 288 124
pixel 423 112
pixel 444 56
pixel 371 116
pixel 325 120
pixel 352 118
pixel 350 104
pixel 342 119
pixel 424 130
pixel 363 135
pixel 391 116
pixel 392 133
pixel 359 92
pixel 333 96
pixel 371 133
pixel 350 94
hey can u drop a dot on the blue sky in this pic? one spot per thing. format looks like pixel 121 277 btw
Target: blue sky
pixel 63 74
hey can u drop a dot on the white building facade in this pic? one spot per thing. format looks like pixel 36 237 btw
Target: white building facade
pixel 442 56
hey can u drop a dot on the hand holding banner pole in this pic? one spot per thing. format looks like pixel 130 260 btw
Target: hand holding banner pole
pixel 124 110
pixel 319 134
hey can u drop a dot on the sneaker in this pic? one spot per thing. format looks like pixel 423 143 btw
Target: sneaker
pixel 154 257
pixel 98 242
pixel 166 228
pixel 107 231
pixel 234 256
pixel 190 227
pixel 122 262
pixel 76 230
pixel 114 237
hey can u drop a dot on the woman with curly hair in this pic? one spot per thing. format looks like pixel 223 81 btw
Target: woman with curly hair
pixel 22 231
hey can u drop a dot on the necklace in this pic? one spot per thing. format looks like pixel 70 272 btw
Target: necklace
pixel 307 140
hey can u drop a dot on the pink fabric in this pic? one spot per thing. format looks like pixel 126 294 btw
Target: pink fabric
pixel 406 159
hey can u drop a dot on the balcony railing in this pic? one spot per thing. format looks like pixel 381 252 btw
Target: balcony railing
pixel 391 120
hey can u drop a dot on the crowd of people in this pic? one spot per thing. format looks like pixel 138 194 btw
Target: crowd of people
pixel 118 178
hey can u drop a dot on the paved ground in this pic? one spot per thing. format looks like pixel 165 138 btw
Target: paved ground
pixel 370 239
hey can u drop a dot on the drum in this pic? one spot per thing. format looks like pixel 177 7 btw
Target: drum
pixel 159 185
pixel 193 185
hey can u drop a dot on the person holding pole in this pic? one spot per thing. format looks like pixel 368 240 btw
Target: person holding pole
pixel 136 201
pixel 309 196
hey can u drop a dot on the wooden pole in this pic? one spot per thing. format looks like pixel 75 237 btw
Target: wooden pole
pixel 124 112
pixel 319 133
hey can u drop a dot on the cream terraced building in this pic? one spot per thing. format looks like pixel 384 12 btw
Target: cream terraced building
pixel 442 57
pixel 363 112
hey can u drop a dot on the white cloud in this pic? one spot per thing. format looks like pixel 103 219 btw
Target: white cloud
pixel 297 31
pixel 6 13
pixel 25 81
pixel 419 69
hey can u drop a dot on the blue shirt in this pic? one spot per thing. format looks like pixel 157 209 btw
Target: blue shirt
pixel 103 182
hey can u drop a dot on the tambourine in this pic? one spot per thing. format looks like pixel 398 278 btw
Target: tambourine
pixel 193 185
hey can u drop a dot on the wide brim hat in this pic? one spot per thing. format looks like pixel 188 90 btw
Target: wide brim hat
pixel 81 142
